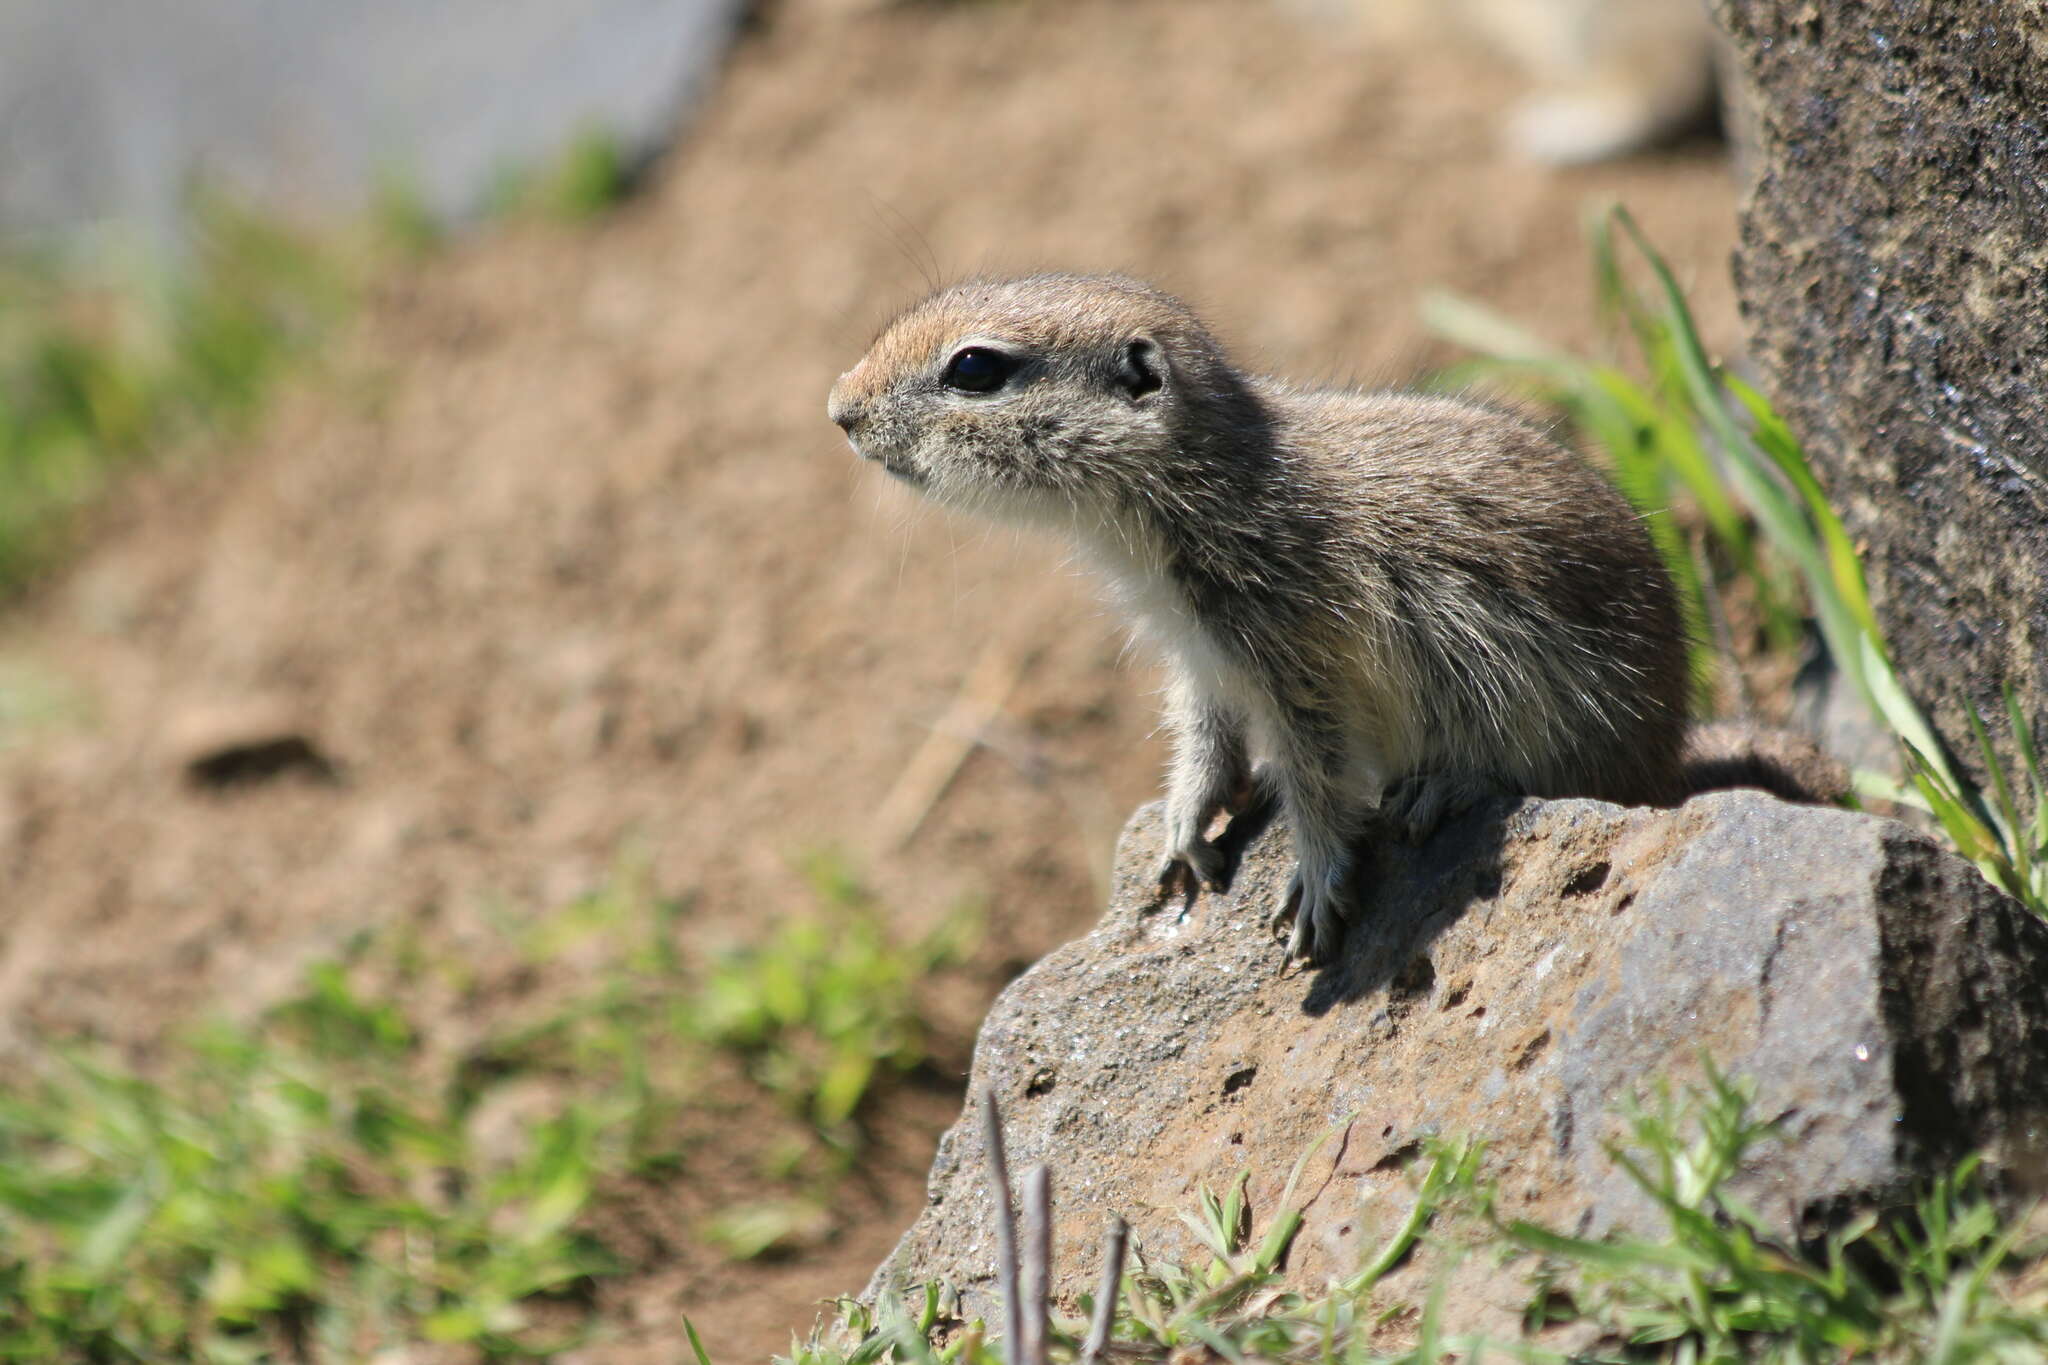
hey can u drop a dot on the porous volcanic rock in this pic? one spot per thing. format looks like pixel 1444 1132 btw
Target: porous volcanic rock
pixel 1894 277
pixel 1515 978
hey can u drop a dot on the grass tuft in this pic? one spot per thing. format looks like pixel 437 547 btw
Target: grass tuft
pixel 824 1002
pixel 108 363
pixel 1947 1282
pixel 587 178
pixel 341 1176
pixel 1690 434
pixel 100 368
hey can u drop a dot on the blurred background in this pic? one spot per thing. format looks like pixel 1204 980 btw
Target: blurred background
pixel 507 831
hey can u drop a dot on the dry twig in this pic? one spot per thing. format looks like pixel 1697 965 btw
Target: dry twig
pixel 1007 1280
pixel 1114 1243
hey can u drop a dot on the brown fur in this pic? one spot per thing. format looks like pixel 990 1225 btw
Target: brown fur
pixel 1400 602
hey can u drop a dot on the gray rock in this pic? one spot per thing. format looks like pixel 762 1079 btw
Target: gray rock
pixel 1514 979
pixel 1894 276
pixel 109 108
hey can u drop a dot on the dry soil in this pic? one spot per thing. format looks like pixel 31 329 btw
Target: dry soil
pixel 558 554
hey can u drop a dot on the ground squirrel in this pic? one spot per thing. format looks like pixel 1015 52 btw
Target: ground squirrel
pixel 1398 602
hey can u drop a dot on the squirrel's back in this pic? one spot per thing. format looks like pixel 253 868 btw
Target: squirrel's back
pixel 1497 599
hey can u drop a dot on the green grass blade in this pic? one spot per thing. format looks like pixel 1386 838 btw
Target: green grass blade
pixel 1783 520
pixel 2005 816
pixel 1281 1234
pixel 1231 1225
pixel 1479 328
pixel 1900 712
pixel 1845 566
pixel 2030 758
pixel 696 1342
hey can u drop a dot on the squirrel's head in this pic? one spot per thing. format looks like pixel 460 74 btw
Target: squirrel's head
pixel 1032 398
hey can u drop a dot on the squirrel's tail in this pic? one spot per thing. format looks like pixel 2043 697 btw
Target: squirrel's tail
pixel 1735 753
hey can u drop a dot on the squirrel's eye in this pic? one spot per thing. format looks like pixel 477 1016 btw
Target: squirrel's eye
pixel 978 369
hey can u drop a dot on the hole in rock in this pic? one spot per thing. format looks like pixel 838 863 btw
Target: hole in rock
pixel 1399 1157
pixel 1589 880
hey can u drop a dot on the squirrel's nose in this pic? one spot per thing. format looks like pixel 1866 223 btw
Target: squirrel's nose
pixel 844 411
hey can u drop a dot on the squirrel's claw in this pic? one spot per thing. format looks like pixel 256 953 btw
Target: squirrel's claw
pixel 1194 864
pixel 1317 910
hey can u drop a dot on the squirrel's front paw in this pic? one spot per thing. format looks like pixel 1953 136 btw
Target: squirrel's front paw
pixel 1319 910
pixel 1193 857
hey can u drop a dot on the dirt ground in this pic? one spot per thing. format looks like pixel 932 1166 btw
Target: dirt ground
pixel 560 554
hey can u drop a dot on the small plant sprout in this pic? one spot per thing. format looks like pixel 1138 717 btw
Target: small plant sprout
pixel 320 1182
pixel 1945 1283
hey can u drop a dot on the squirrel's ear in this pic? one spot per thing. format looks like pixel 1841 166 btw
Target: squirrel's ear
pixel 1141 368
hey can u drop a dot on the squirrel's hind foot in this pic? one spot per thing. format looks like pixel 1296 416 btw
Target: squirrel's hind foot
pixel 1320 911
pixel 1418 805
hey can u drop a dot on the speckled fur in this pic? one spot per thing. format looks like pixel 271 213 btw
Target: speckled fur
pixel 1398 602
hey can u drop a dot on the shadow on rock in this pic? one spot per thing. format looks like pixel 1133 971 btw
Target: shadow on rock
pixel 1514 979
pixel 1407 895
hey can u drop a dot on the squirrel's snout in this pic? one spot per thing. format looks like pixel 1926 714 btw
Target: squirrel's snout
pixel 849 415
pixel 844 411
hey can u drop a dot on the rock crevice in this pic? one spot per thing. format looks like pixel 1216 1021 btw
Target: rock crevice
pixel 1894 279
